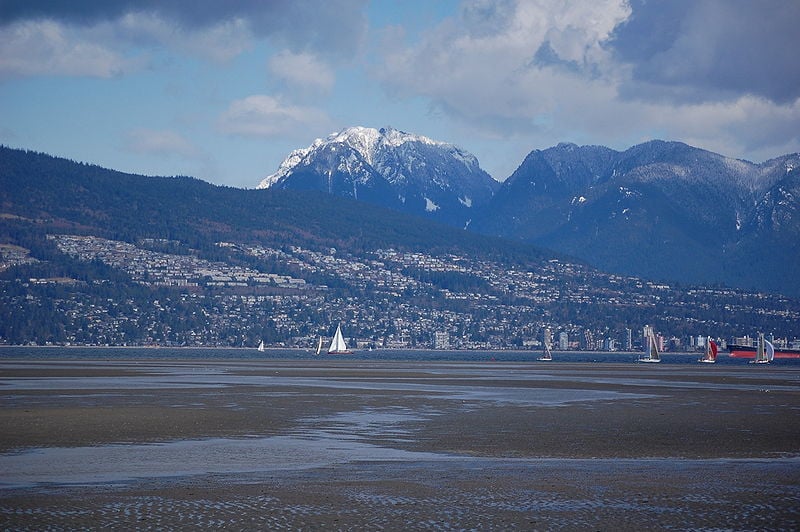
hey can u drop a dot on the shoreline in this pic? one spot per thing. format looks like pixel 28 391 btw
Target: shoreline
pixel 354 351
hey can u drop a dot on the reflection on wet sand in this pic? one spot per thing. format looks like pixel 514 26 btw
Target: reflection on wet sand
pixel 375 444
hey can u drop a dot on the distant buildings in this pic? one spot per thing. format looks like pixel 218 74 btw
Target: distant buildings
pixel 563 341
pixel 441 340
pixel 647 330
pixel 238 294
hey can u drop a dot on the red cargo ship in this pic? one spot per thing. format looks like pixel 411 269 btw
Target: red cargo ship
pixel 746 351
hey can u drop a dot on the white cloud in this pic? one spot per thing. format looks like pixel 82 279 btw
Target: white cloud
pixel 46 47
pixel 751 127
pixel 162 143
pixel 266 116
pixel 548 72
pixel 93 38
pixel 712 50
pixel 488 66
pixel 109 48
pixel 302 71
pixel 218 42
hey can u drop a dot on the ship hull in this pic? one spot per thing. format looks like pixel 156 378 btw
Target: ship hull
pixel 744 351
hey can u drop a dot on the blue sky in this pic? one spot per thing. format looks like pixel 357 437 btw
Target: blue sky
pixel 225 90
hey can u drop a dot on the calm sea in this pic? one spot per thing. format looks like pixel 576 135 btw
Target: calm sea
pixel 221 353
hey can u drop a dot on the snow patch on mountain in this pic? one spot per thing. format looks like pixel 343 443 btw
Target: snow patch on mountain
pixel 430 206
pixel 294 158
pixel 375 146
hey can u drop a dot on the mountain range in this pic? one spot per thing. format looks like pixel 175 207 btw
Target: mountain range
pixel 95 256
pixel 660 210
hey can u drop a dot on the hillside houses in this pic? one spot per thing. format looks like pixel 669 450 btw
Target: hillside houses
pixel 386 298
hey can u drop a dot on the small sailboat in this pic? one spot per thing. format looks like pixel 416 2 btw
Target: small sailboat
pixel 547 355
pixel 338 347
pixel 711 352
pixel 762 352
pixel 651 354
pixel 319 346
pixel 261 346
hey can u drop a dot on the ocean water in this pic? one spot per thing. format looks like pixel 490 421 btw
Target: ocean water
pixel 223 353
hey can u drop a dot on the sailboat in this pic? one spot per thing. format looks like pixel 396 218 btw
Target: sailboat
pixel 652 354
pixel 319 346
pixel 711 352
pixel 763 352
pixel 338 347
pixel 261 346
pixel 547 355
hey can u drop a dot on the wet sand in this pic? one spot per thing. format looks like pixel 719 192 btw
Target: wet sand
pixel 397 445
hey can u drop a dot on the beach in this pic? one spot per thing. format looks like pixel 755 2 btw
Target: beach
pixel 365 444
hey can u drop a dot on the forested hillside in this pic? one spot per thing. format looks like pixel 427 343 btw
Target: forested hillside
pixel 94 256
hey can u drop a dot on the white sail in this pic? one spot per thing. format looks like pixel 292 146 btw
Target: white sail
pixel 337 344
pixel 548 354
pixel 319 346
pixel 770 350
pixel 761 351
pixel 711 352
pixel 261 346
pixel 652 354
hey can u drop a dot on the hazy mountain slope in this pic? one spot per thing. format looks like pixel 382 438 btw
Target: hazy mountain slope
pixel 541 194
pixel 768 249
pixel 41 191
pixel 659 210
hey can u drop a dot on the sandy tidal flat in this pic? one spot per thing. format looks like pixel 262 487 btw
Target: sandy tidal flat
pixel 427 445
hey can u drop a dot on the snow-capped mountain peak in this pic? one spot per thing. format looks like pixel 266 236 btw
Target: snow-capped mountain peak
pixel 421 171
pixel 367 142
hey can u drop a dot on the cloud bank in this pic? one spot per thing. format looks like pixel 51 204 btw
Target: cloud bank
pixel 98 38
pixel 721 73
pixel 694 51
pixel 262 115
pixel 718 74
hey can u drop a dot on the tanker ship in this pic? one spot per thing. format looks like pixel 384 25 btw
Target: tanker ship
pixel 746 351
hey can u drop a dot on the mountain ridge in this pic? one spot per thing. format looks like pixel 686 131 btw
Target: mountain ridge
pixel 621 211
pixel 87 197
pixel 403 171
pixel 661 209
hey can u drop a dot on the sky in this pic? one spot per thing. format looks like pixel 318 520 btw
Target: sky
pixel 224 90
